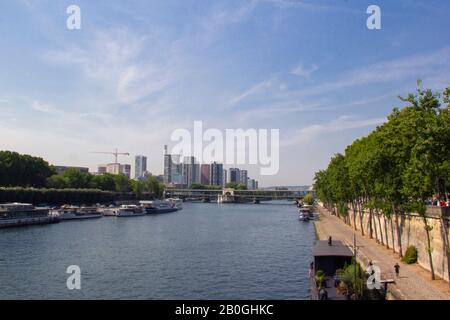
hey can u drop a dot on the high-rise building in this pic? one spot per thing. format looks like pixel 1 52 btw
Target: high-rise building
pixel 224 178
pixel 173 169
pixel 177 170
pixel 252 184
pixel 115 168
pixel 140 166
pixel 197 176
pixel 167 166
pixel 216 174
pixel 234 175
pixel 191 171
pixel 125 169
pixel 243 175
pixel 101 169
pixel 204 174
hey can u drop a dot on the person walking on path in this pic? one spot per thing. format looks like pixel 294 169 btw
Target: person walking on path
pixel 397 270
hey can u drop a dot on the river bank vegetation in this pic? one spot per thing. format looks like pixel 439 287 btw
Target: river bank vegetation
pixel 396 169
pixel 23 177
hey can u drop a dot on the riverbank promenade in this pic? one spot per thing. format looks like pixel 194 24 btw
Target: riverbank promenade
pixel 414 282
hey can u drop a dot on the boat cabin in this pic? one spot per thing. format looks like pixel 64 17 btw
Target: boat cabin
pixel 329 256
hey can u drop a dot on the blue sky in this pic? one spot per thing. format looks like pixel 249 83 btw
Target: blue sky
pixel 137 70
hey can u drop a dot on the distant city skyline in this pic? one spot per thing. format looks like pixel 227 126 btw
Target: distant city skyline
pixel 138 70
pixel 186 172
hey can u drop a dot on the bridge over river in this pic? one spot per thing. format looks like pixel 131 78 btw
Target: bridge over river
pixel 233 195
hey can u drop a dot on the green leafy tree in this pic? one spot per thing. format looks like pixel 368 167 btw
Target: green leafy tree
pixel 308 199
pixel 23 170
pixel 104 181
pixel 152 185
pixel 122 183
pixel 395 169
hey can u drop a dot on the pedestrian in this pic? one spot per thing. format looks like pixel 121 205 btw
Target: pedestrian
pixel 397 270
pixel 320 293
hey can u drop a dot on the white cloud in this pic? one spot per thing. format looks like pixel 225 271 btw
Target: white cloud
pixel 303 71
pixel 309 133
pixel 257 88
pixel 432 67
pixel 415 66
pixel 117 60
pixel 43 107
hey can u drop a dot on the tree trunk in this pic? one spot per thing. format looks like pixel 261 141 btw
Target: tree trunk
pixel 386 232
pixel 374 223
pixel 355 209
pixel 430 256
pixel 379 226
pixel 361 213
pixel 392 233
pixel 370 224
pixel 399 239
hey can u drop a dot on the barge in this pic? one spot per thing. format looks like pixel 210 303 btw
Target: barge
pixel 24 214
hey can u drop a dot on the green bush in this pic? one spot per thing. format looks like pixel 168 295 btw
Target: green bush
pixel 410 255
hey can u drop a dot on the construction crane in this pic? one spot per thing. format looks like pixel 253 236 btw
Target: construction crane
pixel 114 153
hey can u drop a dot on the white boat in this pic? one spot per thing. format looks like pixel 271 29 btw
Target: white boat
pixel 124 211
pixel 303 217
pixel 177 203
pixel 158 206
pixel 76 213
pixel 22 214
pixel 304 214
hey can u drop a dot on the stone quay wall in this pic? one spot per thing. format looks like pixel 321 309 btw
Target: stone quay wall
pixel 412 232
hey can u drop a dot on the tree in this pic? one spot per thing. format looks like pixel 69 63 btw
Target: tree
pixel 308 199
pixel 395 169
pixel 23 170
pixel 122 183
pixel 104 181
pixel 71 178
pixel 236 186
pixel 152 185
pixel 137 187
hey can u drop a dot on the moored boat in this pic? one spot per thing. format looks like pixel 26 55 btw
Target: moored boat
pixel 176 202
pixel 158 206
pixel 329 257
pixel 124 211
pixel 77 213
pixel 304 214
pixel 303 217
pixel 23 214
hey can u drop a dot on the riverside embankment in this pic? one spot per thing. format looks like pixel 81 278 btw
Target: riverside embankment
pixel 414 282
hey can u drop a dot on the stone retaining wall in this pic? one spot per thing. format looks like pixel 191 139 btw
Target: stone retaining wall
pixel 412 232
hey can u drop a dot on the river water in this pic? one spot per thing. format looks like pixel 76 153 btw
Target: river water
pixel 205 251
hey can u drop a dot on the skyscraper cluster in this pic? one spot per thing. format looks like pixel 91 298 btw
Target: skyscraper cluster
pixel 240 176
pixel 189 172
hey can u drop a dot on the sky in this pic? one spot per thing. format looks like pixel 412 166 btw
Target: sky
pixel 138 70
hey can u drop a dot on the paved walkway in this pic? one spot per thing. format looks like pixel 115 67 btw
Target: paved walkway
pixel 414 282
